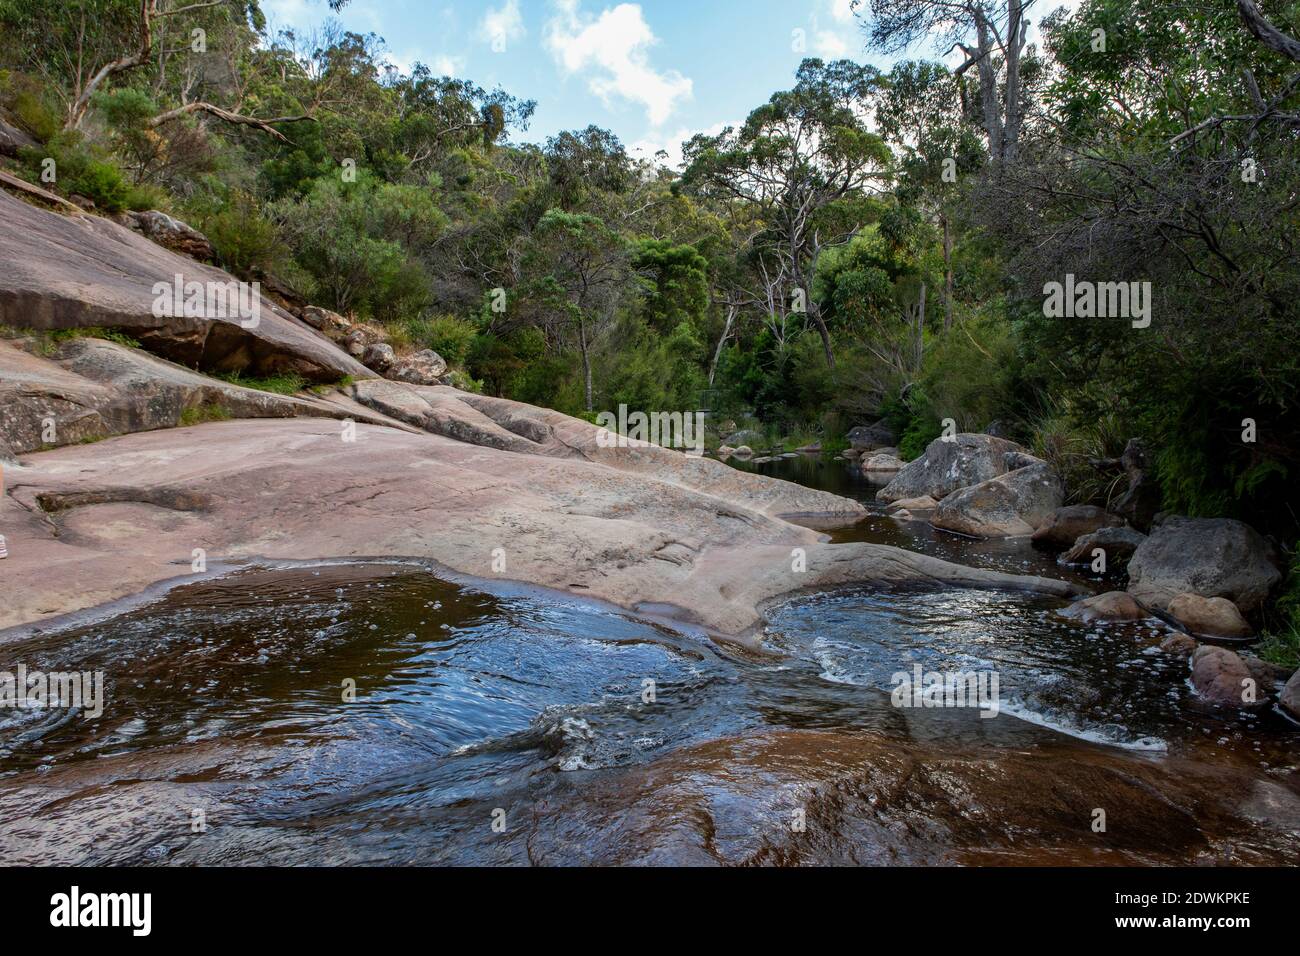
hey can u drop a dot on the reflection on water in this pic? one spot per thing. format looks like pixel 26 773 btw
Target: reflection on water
pixel 379 714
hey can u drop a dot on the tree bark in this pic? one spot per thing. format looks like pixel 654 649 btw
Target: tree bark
pixel 1017 27
pixel 229 117
pixel 1266 33
pixel 77 111
pixel 586 360
pixel 148 13
pixel 947 273
pixel 988 87
pixel 726 333
pixel 920 330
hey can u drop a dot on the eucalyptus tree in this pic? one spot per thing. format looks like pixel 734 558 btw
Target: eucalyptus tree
pixel 992 36
pixel 578 267
pixel 801 168
pixel 921 117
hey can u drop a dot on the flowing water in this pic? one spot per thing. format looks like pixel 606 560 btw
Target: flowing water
pixel 384 713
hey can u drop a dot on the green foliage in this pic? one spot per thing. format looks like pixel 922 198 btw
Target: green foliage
pixel 246 241
pixel 286 383
pixel 207 412
pixel 29 104
pixel 359 242
pixel 677 284
pixel 1281 644
pixel 79 170
pixel 450 337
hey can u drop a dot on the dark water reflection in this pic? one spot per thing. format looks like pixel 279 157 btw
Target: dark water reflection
pixel 520 726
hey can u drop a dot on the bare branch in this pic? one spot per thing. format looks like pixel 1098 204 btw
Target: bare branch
pixel 229 117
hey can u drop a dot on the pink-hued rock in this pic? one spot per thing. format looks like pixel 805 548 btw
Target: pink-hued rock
pixel 1209 617
pixel 629 525
pixel 1111 606
pixel 79 271
pixel 1222 677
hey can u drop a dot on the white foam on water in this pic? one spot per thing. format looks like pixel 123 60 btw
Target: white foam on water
pixel 1020 712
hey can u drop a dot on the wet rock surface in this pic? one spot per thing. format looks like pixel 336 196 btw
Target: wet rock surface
pixel 1117 543
pixel 716 769
pixel 1111 606
pixel 1209 617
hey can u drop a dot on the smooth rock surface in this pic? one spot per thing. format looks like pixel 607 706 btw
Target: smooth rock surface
pixel 1111 606
pixel 1222 677
pixel 1208 617
pixel 629 525
pixel 1118 543
pixel 1212 557
pixel 79 271
pixel 1010 505
pixel 879 466
pixel 92 388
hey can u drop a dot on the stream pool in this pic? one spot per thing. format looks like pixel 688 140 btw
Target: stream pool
pixel 341 713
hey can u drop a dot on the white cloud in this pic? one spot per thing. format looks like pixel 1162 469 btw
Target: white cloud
pixel 841 10
pixel 842 38
pixel 445 64
pixel 499 27
pixel 612 52
pixel 829 45
pixel 671 144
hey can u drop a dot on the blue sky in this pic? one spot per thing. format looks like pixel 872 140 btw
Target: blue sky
pixel 654 72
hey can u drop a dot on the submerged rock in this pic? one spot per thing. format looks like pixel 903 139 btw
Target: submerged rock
pixel 1222 677
pixel 1111 606
pixel 948 465
pixel 1178 644
pixel 924 503
pixel 1211 557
